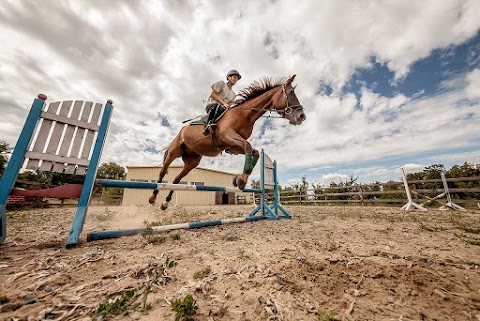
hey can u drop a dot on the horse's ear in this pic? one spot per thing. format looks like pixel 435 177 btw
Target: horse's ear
pixel 289 81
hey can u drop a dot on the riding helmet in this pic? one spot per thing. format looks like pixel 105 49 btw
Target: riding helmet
pixel 234 72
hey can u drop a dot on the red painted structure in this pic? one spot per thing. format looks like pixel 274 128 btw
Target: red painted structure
pixel 20 196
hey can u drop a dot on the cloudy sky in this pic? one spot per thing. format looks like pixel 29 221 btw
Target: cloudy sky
pixel 384 83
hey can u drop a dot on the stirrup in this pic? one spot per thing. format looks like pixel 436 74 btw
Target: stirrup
pixel 209 129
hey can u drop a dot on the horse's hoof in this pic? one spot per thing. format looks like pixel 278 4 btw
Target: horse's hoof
pixel 235 181
pixel 152 199
pixel 164 206
pixel 240 183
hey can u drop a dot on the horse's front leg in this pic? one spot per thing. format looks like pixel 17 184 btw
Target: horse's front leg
pixel 232 141
pixel 251 159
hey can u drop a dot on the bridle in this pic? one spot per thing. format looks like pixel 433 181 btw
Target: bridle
pixel 283 112
pixel 289 109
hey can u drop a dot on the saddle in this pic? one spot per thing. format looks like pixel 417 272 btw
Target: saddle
pixel 219 112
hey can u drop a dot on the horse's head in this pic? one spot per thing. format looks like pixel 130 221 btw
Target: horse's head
pixel 289 107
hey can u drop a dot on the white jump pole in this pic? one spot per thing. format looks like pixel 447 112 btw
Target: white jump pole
pixel 450 205
pixel 411 205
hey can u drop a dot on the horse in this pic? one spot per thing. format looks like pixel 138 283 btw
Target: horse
pixel 233 130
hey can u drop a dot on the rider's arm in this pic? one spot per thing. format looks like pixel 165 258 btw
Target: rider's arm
pixel 215 96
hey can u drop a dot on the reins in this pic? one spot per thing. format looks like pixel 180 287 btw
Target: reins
pixel 282 112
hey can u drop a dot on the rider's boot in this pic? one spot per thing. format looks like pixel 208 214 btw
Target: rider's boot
pixel 209 126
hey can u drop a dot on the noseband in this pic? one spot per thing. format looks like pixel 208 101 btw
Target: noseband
pixel 289 109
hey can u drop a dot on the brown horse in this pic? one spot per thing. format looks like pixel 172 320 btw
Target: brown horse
pixel 233 130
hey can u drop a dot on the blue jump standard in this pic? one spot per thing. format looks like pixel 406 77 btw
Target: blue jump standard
pixel 95 236
pixel 171 187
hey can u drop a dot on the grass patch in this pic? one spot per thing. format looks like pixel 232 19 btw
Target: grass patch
pixel 135 298
pixel 152 238
pixel 242 256
pixel 184 309
pixel 111 308
pixel 175 236
pixel 327 316
pixel 202 273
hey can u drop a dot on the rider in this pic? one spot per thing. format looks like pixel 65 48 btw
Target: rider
pixel 222 95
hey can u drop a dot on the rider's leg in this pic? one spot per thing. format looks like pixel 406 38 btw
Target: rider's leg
pixel 209 124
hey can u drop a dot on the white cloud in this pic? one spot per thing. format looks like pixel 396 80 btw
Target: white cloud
pixel 413 168
pixel 473 85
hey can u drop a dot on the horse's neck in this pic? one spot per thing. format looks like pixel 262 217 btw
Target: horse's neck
pixel 261 104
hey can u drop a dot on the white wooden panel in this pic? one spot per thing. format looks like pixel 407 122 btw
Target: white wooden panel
pixel 57 158
pixel 79 137
pixel 70 169
pixel 67 139
pixel 33 164
pixel 81 170
pixel 42 137
pixel 96 114
pixel 58 167
pixel 56 134
pixel 269 179
pixel 66 120
pixel 91 134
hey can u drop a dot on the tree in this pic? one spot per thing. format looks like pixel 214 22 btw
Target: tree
pixel 4 150
pixel 465 170
pixel 111 171
pixel 433 171
pixel 255 183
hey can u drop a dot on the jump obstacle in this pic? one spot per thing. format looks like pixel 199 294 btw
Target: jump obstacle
pixel 62 137
pixel 268 179
pixel 68 137
pixel 411 205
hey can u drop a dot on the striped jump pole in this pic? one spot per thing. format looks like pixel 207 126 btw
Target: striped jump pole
pixel 268 178
pixel 95 236
pixel 170 187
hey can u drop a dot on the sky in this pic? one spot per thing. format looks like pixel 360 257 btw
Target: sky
pixel 385 84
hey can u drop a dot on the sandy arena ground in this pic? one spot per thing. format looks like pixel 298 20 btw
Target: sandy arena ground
pixel 327 263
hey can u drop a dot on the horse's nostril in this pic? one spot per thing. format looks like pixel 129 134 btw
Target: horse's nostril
pixel 303 117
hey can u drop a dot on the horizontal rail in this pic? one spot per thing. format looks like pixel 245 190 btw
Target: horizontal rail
pixel 156 229
pixel 391 192
pixel 372 200
pixel 171 187
pixel 391 184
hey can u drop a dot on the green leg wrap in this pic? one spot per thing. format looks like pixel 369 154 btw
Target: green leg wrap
pixel 249 163
pixel 254 162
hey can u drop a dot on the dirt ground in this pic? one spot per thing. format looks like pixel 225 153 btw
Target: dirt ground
pixel 327 263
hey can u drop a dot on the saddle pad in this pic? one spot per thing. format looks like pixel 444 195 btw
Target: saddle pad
pixel 204 118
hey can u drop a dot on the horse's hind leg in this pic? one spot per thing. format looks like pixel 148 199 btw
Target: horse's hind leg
pixel 191 161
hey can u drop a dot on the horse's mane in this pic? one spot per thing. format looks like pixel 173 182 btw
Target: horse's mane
pixel 257 88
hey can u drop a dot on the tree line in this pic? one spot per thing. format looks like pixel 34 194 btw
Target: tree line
pixel 306 190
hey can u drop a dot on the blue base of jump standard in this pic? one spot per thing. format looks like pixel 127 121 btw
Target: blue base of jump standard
pixel 262 211
pixel 270 212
